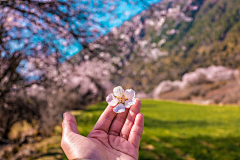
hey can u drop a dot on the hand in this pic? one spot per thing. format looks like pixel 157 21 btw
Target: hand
pixel 113 137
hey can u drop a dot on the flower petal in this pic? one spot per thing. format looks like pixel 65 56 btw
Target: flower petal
pixel 129 94
pixel 130 102
pixel 118 91
pixel 119 108
pixel 111 100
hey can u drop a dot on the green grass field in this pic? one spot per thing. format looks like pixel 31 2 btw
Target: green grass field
pixel 180 131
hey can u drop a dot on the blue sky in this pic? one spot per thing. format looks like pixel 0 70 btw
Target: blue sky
pixel 124 11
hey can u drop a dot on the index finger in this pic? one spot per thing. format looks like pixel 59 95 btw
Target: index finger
pixel 105 120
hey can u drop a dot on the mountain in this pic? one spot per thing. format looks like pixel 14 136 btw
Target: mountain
pixel 170 39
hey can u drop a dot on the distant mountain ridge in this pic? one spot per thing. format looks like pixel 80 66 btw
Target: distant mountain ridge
pixel 171 38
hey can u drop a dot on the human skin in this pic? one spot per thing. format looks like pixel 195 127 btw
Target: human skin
pixel 114 137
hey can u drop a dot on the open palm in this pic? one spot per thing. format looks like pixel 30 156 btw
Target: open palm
pixel 113 136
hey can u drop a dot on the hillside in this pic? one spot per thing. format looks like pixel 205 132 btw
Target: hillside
pixel 171 38
pixel 213 38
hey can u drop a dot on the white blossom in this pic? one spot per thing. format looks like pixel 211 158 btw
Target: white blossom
pixel 121 99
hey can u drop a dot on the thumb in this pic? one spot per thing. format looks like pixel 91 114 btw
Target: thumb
pixel 69 124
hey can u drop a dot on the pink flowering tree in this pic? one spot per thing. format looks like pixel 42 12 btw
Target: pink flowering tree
pixel 38 79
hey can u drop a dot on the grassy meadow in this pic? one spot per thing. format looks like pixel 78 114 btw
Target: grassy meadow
pixel 175 131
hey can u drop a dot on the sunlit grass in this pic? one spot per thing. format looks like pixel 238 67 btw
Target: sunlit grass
pixel 180 131
pixel 172 131
pixel 188 131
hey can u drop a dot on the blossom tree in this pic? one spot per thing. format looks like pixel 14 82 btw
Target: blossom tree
pixel 38 79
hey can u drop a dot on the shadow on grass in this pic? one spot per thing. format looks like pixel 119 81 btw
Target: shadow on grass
pixel 200 148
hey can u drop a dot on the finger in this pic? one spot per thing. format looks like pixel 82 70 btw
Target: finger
pixel 134 110
pixel 117 123
pixel 69 124
pixel 70 136
pixel 105 120
pixel 136 131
